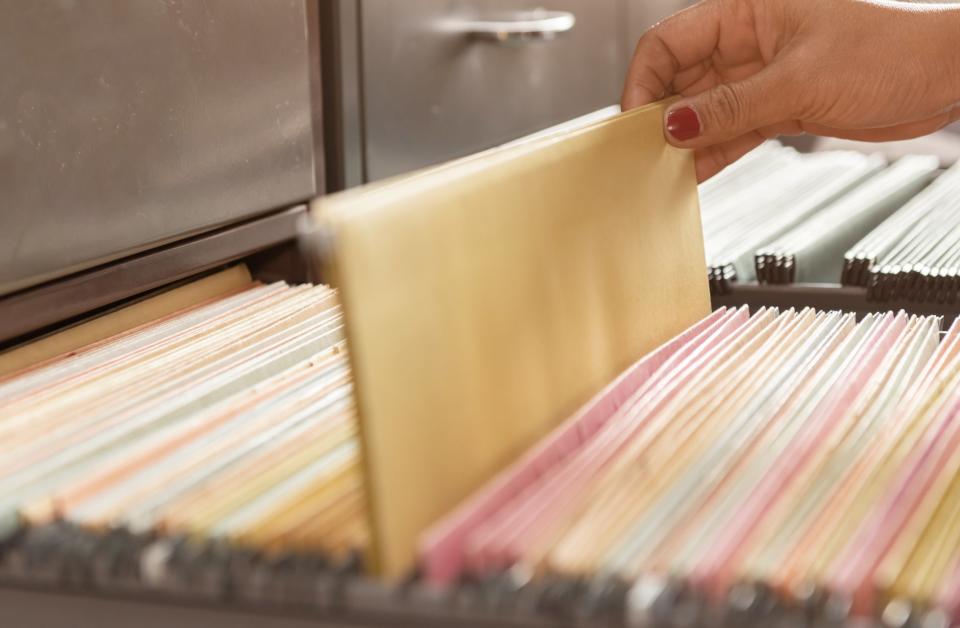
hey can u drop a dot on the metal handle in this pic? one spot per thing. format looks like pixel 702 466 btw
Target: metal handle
pixel 539 25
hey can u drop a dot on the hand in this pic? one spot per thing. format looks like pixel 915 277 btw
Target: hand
pixel 749 70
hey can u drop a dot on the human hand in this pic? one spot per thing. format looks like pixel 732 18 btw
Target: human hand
pixel 749 70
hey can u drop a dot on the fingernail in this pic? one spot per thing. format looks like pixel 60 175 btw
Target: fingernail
pixel 683 123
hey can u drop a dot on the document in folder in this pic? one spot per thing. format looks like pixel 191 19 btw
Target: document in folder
pixel 487 298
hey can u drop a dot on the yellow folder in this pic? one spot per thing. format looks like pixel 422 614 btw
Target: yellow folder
pixel 487 298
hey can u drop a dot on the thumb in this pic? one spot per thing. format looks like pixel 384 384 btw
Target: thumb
pixel 730 110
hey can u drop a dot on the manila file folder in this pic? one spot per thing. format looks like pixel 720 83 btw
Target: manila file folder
pixel 487 298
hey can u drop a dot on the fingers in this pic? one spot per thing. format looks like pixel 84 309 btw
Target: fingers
pixel 679 42
pixel 710 161
pixel 731 110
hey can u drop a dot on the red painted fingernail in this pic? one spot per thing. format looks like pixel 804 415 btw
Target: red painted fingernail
pixel 683 123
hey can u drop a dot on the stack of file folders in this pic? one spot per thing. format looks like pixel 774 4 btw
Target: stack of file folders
pixel 231 420
pixel 781 466
pixel 766 194
pixel 782 217
pixel 914 255
pixel 795 467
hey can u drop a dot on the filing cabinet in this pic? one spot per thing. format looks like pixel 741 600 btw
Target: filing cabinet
pixel 153 121
pixel 128 124
pixel 436 89
pixel 418 82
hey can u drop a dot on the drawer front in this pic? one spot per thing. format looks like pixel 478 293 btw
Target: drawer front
pixel 129 123
pixel 642 14
pixel 431 92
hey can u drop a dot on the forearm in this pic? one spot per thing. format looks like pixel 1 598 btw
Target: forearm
pixel 938 30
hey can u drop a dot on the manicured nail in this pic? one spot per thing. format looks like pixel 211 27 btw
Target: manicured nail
pixel 683 123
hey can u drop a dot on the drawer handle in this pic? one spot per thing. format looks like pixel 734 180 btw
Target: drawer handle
pixel 519 27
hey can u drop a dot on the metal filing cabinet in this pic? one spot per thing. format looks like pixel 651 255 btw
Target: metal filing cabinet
pixel 127 124
pixel 436 89
pixel 415 82
pixel 151 121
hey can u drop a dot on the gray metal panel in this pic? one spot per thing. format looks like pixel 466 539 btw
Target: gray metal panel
pixel 342 97
pixel 642 14
pixel 35 308
pixel 432 95
pixel 128 123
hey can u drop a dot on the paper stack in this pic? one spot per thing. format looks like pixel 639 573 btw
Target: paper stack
pixel 785 464
pixel 766 194
pixel 915 254
pixel 233 419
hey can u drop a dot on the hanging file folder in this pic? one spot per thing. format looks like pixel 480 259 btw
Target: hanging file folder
pixel 487 298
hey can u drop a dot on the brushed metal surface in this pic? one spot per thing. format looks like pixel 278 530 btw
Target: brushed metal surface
pixel 431 94
pixel 342 93
pixel 642 14
pixel 129 123
pixel 35 308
